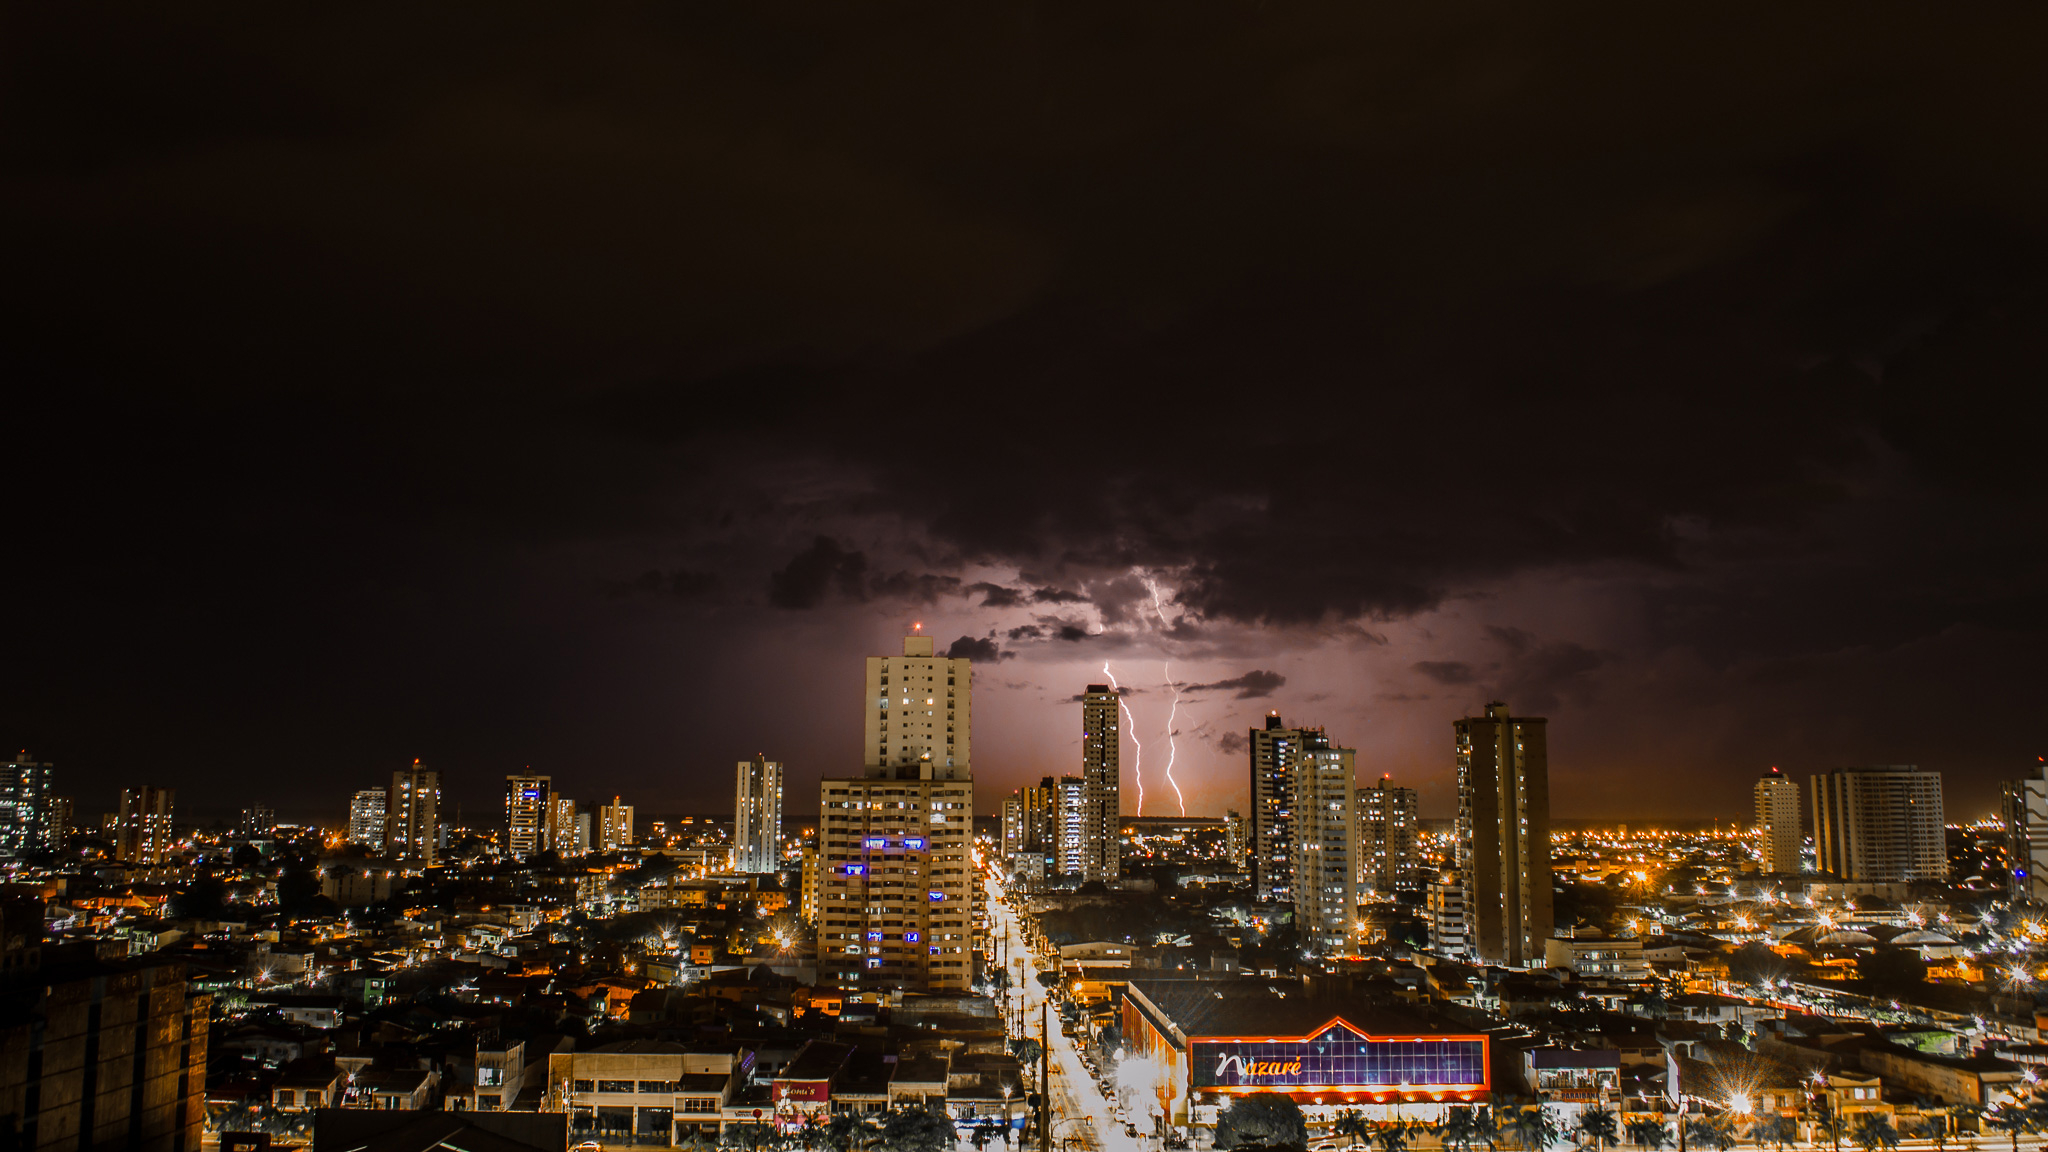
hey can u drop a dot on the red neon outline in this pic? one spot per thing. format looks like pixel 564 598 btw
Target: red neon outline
pixel 1486 1064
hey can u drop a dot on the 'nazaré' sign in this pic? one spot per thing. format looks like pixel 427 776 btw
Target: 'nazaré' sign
pixel 1339 1056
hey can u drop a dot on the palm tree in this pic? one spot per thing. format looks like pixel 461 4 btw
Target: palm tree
pixel 1459 1131
pixel 2011 1119
pixel 1649 1132
pixel 1394 1135
pixel 1873 1131
pixel 1598 1126
pixel 1352 1123
pixel 1780 1130
pixel 1715 1133
pixel 1486 1126
pixel 1933 1128
pixel 1534 1127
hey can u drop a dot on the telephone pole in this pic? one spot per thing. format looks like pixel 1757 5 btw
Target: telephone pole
pixel 1044 1081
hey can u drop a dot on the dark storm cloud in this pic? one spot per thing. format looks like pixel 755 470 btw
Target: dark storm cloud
pixel 1325 314
pixel 1253 684
pixel 979 649
pixel 995 595
pixel 809 575
pixel 1446 671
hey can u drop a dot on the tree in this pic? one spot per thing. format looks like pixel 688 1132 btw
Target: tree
pixel 1780 1130
pixel 1933 1128
pixel 1649 1132
pixel 1459 1131
pixel 1873 1131
pixel 203 899
pixel 1352 1124
pixel 1534 1128
pixel 846 1132
pixel 751 1137
pixel 1026 1050
pixel 2011 1119
pixel 1394 1135
pixel 1599 1128
pixel 1262 1118
pixel 1716 1133
pixel 917 1130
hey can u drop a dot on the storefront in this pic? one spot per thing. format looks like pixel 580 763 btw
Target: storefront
pixel 1202 1043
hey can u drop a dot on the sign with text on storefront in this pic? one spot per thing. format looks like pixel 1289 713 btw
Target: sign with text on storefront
pixel 1339 1056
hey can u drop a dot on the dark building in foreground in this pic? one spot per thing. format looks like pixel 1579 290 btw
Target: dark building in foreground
pixel 1220 1039
pixel 101 1055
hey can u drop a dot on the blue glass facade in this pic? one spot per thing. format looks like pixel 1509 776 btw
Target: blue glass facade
pixel 1337 1057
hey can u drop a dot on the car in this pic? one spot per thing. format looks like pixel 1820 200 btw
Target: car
pixel 587 1146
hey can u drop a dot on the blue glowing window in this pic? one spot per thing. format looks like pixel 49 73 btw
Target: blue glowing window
pixel 935 949
pixel 856 869
pixel 915 843
pixel 936 896
pixel 874 935
pixel 913 937
pixel 876 842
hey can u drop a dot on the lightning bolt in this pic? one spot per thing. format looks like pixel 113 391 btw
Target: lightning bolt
pixel 1165 670
pixel 1131 727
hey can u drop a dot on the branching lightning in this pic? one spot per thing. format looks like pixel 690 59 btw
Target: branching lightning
pixel 1130 727
pixel 1166 670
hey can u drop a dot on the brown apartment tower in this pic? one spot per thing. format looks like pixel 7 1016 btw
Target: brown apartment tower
pixel 1503 834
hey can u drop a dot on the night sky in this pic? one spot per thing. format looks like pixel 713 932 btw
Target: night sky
pixel 593 390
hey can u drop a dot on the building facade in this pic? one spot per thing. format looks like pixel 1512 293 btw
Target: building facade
pixel 1777 822
pixel 1101 777
pixel 1216 1041
pixel 568 835
pixel 899 898
pixel 2024 807
pixel 614 826
pixel 1237 838
pixel 1070 806
pixel 107 1056
pixel 1389 860
pixel 1028 820
pixel 757 816
pixel 919 714
pixel 366 817
pixel 26 823
pixel 143 829
pixel 1325 856
pixel 1447 916
pixel 1880 822
pixel 412 818
pixel 1272 750
pixel 1503 834
pixel 526 814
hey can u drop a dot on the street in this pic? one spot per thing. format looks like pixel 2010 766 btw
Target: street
pixel 1081 1116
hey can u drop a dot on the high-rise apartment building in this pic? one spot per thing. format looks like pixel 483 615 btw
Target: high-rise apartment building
pixel 566 834
pixel 142 833
pixel 1448 916
pixel 1273 750
pixel 1777 822
pixel 757 817
pixel 1503 834
pixel 1325 858
pixel 1880 822
pixel 1387 822
pixel 1070 820
pixel 25 816
pixel 1101 777
pixel 899 898
pixel 62 819
pixel 257 820
pixel 412 817
pixel 366 817
pixel 1028 820
pixel 614 826
pixel 1237 838
pixel 108 1055
pixel 2025 809
pixel 919 714
pixel 526 814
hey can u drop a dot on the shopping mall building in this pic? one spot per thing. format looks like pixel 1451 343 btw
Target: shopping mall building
pixel 1208 1041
